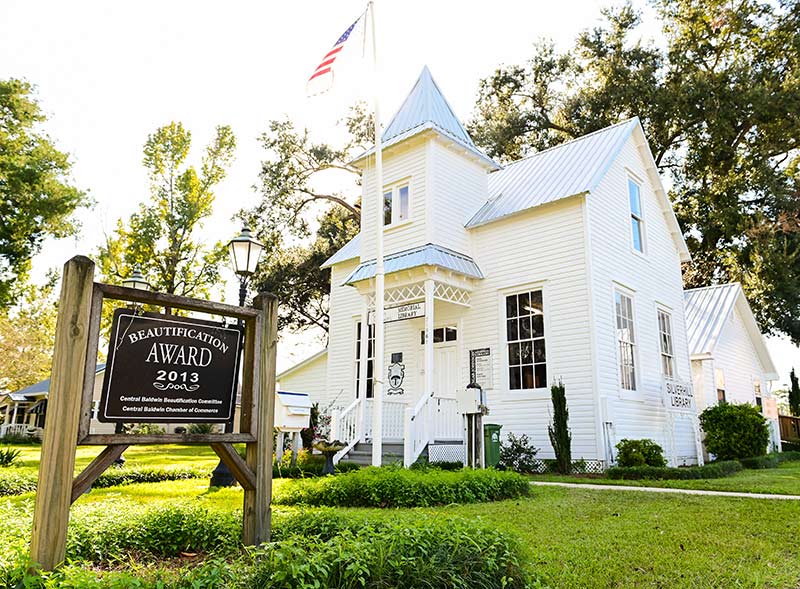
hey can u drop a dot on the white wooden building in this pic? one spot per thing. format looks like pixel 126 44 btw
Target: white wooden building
pixel 563 265
pixel 730 360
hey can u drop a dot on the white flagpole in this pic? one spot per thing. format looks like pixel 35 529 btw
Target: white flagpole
pixel 378 368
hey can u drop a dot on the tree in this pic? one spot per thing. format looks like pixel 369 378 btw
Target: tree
pixel 735 176
pixel 37 199
pixel 558 430
pixel 289 200
pixel 27 335
pixel 163 236
pixel 794 395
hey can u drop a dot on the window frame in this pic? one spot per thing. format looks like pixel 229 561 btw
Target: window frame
pixel 444 331
pixel 395 190
pixel 634 345
pixel 719 376
pixel 664 311
pixel 369 391
pixel 633 216
pixel 506 364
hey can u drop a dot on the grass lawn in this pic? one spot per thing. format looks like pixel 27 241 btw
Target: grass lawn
pixel 590 538
pixel 201 457
pixel 784 480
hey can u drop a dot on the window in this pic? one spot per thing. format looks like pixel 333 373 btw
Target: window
pixel 440 335
pixel 527 359
pixel 719 377
pixel 637 223
pixel 665 337
pixel 626 341
pixel 395 205
pixel 757 392
pixel 370 359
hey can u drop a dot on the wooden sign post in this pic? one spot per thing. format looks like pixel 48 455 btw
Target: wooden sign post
pixel 70 407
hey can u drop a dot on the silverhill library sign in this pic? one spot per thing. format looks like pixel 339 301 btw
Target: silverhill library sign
pixel 168 368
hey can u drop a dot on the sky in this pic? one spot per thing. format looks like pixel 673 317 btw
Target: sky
pixel 109 73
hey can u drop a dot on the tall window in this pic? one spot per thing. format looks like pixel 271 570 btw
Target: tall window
pixel 757 392
pixel 719 377
pixel 370 359
pixel 637 224
pixel 665 337
pixel 395 205
pixel 626 341
pixel 527 359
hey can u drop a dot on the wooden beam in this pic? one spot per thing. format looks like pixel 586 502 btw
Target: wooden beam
pixel 84 426
pixel 57 462
pixel 135 295
pixel 248 420
pixel 238 467
pixel 84 481
pixel 142 439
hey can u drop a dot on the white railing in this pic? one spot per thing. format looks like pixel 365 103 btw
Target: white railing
pixel 449 423
pixel 418 429
pixel 393 412
pixel 345 428
pixel 19 429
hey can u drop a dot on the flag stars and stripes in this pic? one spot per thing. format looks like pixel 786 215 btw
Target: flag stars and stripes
pixel 326 65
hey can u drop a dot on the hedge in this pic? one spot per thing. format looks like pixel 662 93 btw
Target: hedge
pixel 16 483
pixel 396 487
pixel 712 470
pixel 770 460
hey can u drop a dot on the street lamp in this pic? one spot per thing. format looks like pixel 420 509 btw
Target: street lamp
pixel 136 280
pixel 245 252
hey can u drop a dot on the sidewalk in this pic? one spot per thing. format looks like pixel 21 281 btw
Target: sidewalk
pixel 669 490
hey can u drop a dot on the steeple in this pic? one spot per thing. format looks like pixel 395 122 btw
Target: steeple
pixel 426 108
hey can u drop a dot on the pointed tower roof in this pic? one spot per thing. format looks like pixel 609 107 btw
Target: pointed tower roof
pixel 426 108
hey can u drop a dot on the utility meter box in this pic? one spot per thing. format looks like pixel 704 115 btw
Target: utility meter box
pixel 470 400
pixel 292 411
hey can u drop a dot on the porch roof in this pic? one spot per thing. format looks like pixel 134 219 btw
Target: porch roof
pixel 426 255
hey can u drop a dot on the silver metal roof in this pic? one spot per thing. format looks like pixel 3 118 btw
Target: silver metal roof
pixel 426 108
pixel 568 169
pixel 707 309
pixel 350 250
pixel 43 386
pixel 426 255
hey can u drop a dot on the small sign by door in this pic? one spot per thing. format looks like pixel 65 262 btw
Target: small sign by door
pixel 480 368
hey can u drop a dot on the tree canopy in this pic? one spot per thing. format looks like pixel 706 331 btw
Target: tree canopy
pixel 163 238
pixel 719 105
pixel 37 198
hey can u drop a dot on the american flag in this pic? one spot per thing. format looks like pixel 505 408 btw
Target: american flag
pixel 322 78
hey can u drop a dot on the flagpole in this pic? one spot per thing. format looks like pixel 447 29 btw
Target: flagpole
pixel 378 370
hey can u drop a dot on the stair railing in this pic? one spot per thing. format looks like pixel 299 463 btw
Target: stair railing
pixel 345 427
pixel 418 429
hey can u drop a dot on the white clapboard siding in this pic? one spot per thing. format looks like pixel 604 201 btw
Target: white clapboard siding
pixel 345 308
pixel 544 246
pixel 654 278
pixel 309 378
pixel 735 355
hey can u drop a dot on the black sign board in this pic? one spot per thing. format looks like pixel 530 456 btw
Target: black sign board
pixel 170 369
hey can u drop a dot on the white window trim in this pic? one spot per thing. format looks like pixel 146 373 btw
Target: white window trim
pixel 444 344
pixel 515 395
pixel 394 188
pixel 642 222
pixel 354 361
pixel 664 309
pixel 626 394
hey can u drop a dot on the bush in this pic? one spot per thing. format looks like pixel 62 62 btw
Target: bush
pixel 518 454
pixel 788 456
pixel 201 428
pixel 640 453
pixel 16 483
pixel 790 446
pixel 443 554
pixel 8 456
pixel 397 487
pixel 422 463
pixel 26 439
pixel 735 431
pixel 147 429
pixel 712 470
pixel 761 462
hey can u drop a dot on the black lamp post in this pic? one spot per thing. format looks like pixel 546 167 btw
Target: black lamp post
pixel 245 252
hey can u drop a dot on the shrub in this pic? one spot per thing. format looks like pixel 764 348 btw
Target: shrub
pixel 518 454
pixel 8 456
pixel 422 463
pixel 27 439
pixel 148 429
pixel 201 428
pixel 397 487
pixel 443 554
pixel 788 456
pixel 735 431
pixel 560 437
pixel 760 462
pixel 640 453
pixel 16 483
pixel 712 470
pixel 790 447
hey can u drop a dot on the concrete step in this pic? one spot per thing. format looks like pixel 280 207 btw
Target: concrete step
pixel 362 453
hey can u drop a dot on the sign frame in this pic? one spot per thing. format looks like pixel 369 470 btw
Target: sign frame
pixel 475 358
pixel 402 312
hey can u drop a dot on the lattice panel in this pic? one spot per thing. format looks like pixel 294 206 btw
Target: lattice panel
pixel 451 294
pixel 578 466
pixel 446 453
pixel 412 292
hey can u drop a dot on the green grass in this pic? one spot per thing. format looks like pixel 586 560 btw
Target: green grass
pixel 584 537
pixel 784 480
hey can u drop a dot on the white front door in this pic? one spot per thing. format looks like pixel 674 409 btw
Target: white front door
pixel 445 372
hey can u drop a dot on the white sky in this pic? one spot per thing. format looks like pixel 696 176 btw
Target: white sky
pixel 110 73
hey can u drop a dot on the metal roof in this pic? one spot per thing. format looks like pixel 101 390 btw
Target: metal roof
pixel 350 250
pixel 426 108
pixel 42 386
pixel 426 255
pixel 707 309
pixel 568 169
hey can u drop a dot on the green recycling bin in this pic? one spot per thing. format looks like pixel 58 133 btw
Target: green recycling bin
pixel 491 443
